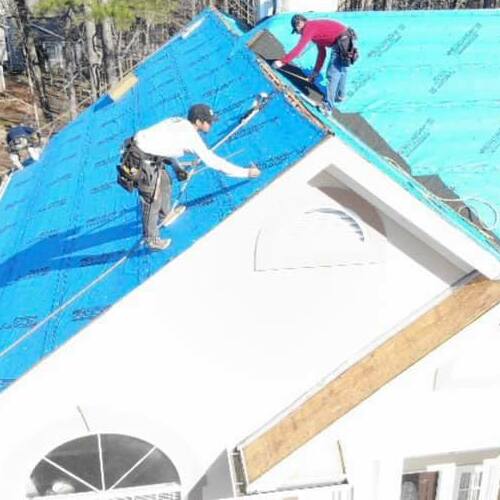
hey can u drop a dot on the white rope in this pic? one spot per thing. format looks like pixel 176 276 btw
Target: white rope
pixel 257 106
pixel 432 196
pixel 259 102
pixel 196 171
pixel 118 263
pixel 70 301
pixel 490 227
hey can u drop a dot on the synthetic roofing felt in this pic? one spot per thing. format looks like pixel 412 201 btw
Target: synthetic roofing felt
pixel 70 236
pixel 424 97
pixel 422 106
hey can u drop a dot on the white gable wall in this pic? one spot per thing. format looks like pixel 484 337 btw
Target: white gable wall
pixel 445 405
pixel 208 349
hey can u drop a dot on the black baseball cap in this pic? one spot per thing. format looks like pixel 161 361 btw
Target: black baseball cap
pixel 201 112
pixel 296 19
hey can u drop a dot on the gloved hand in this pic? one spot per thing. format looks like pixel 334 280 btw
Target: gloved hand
pixel 253 171
pixel 278 64
pixel 181 174
pixel 313 76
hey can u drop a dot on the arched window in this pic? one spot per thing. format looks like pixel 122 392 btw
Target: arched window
pixel 88 466
pixel 319 237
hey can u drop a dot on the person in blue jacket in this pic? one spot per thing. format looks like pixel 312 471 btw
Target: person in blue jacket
pixel 23 143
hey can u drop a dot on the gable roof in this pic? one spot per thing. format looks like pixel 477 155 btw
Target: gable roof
pixel 70 237
pixel 49 29
pixel 77 250
pixel 421 106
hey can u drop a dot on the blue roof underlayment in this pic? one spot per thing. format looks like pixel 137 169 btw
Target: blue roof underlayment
pixel 64 221
pixel 427 82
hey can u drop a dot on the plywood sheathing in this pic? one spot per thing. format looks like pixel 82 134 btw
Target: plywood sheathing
pixel 123 86
pixel 365 377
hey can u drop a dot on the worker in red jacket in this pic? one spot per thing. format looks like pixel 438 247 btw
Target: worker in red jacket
pixel 325 34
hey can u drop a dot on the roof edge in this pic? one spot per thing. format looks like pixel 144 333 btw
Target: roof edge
pixel 389 196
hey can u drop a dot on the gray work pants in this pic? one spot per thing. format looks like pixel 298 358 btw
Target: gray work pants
pixel 155 203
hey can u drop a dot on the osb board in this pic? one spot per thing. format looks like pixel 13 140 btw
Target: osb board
pixel 123 86
pixel 369 374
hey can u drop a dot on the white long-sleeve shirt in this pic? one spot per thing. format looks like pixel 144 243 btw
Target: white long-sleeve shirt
pixel 175 137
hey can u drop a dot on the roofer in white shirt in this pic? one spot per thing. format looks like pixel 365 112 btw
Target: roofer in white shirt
pixel 168 140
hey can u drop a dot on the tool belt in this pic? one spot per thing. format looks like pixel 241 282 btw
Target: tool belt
pixel 346 49
pixel 137 170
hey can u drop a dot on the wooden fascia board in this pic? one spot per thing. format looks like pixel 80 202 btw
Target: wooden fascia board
pixel 368 375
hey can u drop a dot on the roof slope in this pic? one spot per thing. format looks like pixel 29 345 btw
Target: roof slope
pixel 69 235
pixel 423 103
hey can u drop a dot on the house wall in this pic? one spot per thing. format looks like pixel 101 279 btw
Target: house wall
pixel 267 7
pixel 54 52
pixel 219 341
pixel 308 5
pixel 15 57
pixel 439 415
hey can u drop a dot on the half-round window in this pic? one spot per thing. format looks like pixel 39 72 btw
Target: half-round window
pixel 319 237
pixel 104 463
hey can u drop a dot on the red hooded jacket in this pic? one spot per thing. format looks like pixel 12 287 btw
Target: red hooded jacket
pixel 323 33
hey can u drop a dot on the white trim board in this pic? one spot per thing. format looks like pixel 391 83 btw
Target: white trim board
pixel 392 199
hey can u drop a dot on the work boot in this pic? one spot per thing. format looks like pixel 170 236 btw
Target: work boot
pixel 326 109
pixel 157 244
pixel 173 215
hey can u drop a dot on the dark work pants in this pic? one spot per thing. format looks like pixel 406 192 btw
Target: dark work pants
pixel 155 203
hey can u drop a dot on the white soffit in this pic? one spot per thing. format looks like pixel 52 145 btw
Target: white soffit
pixel 388 196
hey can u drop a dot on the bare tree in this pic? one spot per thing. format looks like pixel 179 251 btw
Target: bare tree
pixel 108 47
pixel 31 54
pixel 71 38
pixel 91 52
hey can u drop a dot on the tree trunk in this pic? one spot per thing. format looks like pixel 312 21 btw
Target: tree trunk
pixel 32 61
pixel 92 57
pixel 70 70
pixel 109 50
pixel 119 60
pixel 147 39
pixel 70 65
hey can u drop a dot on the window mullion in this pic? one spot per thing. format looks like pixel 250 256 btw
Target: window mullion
pixel 70 474
pixel 139 462
pixel 101 462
